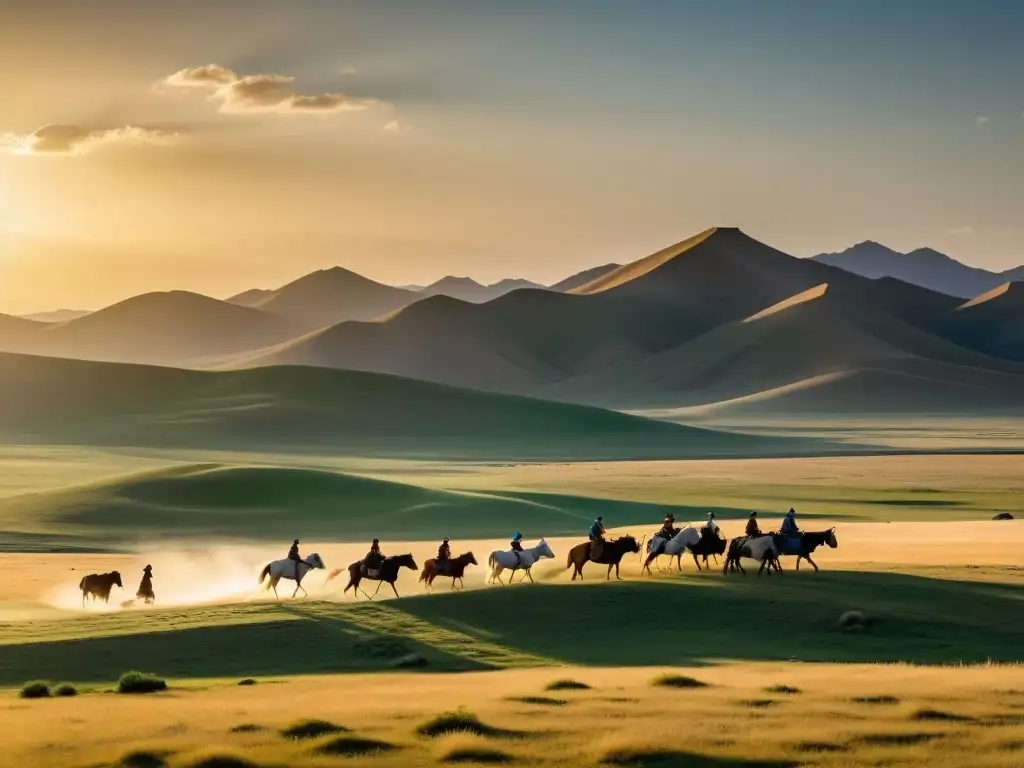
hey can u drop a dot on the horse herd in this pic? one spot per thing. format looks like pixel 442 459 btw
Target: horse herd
pixel 766 549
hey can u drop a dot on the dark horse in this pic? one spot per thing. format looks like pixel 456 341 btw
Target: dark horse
pixel 454 567
pixel 388 572
pixel 99 585
pixel 809 542
pixel 709 544
pixel 611 555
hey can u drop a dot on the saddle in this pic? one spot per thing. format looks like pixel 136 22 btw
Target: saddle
pixel 442 567
pixel 596 550
pixel 370 573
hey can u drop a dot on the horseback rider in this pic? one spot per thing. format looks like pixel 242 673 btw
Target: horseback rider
pixel 597 538
pixel 444 554
pixel 517 547
pixel 711 527
pixel 146 587
pixel 293 555
pixel 789 527
pixel 668 529
pixel 374 557
pixel 753 529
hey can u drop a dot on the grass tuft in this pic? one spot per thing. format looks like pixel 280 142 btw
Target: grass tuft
pixel 312 729
pixel 824 747
pixel 410 661
pixel 876 700
pixel 852 620
pixel 898 739
pixel 479 755
pixel 459 721
pixel 566 684
pixel 759 703
pixel 36 689
pixel 677 681
pixel 545 701
pixel 143 759
pixel 935 715
pixel 223 761
pixel 248 728
pixel 787 690
pixel 247 681
pixel 140 682
pixel 354 746
pixel 65 689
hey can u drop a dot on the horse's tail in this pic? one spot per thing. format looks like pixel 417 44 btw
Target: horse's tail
pixel 568 560
pixel 490 560
pixel 264 573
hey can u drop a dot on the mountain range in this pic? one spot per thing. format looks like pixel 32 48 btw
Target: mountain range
pixel 924 267
pixel 719 322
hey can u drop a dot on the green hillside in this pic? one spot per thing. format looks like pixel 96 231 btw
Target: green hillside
pixel 208 501
pixel 309 409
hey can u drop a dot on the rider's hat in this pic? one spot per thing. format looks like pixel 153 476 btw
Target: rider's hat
pixel 517 535
pixel 148 568
pixel 753 514
pixel 711 514
pixel 600 518
pixel 791 511
pixel 376 541
pixel 446 538
pixel 670 516
pixel 295 542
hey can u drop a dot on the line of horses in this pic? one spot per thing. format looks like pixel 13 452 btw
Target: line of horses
pixel 767 549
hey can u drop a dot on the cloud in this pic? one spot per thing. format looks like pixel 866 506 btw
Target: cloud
pixel 67 139
pixel 965 230
pixel 982 119
pixel 395 127
pixel 201 77
pixel 262 93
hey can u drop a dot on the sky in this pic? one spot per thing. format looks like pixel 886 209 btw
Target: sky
pixel 219 146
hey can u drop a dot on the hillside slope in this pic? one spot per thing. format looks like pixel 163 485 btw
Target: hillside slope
pixel 925 267
pixel 580 279
pixel 18 334
pixel 315 409
pixel 993 322
pixel 812 339
pixel 172 328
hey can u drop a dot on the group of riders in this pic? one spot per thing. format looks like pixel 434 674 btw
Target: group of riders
pixel 375 558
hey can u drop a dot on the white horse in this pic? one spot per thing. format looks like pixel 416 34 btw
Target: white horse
pixel 285 569
pixel 760 548
pixel 673 547
pixel 502 559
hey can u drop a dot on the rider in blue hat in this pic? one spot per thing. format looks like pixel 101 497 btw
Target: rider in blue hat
pixel 517 546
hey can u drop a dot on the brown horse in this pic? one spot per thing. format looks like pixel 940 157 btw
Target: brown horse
pixel 455 567
pixel 611 555
pixel 99 585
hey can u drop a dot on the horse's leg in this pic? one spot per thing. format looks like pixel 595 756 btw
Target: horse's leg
pixel 798 559
pixel 378 587
pixel 695 561
pixel 679 561
pixel 609 576
pixel 393 588
pixel 617 572
pixel 529 574
pixel 811 562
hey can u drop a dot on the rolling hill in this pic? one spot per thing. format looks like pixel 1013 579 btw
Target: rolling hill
pixel 582 278
pixel 57 315
pixel 993 322
pixel 17 334
pixel 669 329
pixel 303 409
pixel 327 297
pixel 924 267
pixel 172 328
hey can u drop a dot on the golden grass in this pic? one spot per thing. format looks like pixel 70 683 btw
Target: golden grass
pixel 946 717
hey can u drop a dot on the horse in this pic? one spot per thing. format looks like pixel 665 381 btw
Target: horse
pixel 454 567
pixel 761 548
pixel 809 542
pixel 99 585
pixel 674 547
pixel 386 573
pixel 285 569
pixel 500 560
pixel 611 555
pixel 707 545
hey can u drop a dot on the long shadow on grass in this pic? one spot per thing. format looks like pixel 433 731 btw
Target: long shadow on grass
pixel 692 621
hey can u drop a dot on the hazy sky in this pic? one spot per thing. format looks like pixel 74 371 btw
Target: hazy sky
pixel 408 140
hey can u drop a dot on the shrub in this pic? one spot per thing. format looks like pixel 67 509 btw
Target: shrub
pixel 143 759
pixel 677 681
pixel 37 689
pixel 852 620
pixel 876 700
pixel 247 728
pixel 354 746
pixel 786 689
pixel 546 701
pixel 480 755
pixel 566 685
pixel 140 682
pixel 65 689
pixel 247 681
pixel 223 761
pixel 312 729
pixel 459 721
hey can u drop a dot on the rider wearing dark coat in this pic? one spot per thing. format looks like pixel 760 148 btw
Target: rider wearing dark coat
pixel 146 586
pixel 293 555
pixel 597 538
pixel 517 546
pixel 374 557
pixel 668 529
pixel 444 554
pixel 753 529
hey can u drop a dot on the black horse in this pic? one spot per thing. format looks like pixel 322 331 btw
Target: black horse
pixel 809 542
pixel 388 572
pixel 708 544
pixel 99 585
